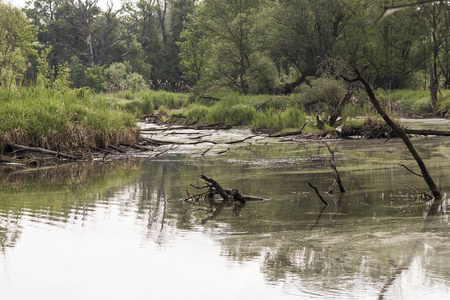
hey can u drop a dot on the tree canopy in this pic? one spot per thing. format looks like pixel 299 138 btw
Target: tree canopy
pixel 250 46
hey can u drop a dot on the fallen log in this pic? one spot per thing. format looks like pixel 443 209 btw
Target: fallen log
pixel 211 126
pixel 427 132
pixel 284 134
pixel 41 150
pixel 137 147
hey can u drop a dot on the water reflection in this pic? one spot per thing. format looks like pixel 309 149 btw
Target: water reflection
pixel 372 242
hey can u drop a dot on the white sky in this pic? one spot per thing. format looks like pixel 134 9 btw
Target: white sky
pixel 101 3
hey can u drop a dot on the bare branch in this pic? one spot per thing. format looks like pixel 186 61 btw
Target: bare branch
pixel 318 194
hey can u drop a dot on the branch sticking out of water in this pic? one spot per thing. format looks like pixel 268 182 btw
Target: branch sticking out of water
pixel 397 129
pixel 318 194
pixel 337 177
pixel 411 170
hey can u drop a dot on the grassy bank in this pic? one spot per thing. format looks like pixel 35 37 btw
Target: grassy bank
pixel 147 101
pixel 284 113
pixel 73 120
pixel 271 113
pixel 266 113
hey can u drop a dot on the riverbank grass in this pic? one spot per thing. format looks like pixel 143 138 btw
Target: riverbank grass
pixel 65 121
pixel 147 102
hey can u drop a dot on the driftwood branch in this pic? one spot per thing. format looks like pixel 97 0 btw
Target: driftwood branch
pixel 206 151
pixel 284 134
pixel 216 189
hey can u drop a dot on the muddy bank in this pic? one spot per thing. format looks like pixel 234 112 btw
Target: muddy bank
pixel 155 139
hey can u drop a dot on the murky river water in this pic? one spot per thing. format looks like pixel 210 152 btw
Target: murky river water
pixel 120 230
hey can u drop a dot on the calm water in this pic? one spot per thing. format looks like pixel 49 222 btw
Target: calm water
pixel 120 230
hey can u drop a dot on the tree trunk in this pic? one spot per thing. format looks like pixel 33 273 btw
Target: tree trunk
pixel 434 85
pixel 397 129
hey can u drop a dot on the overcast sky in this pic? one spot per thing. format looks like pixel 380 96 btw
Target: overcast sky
pixel 101 3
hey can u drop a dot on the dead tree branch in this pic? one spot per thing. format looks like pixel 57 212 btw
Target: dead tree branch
pixel 318 194
pixel 337 177
pixel 411 170
pixel 214 188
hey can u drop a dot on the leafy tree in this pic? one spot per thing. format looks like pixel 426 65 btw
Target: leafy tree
pixel 394 47
pixel 229 25
pixel 302 33
pixel 194 47
pixel 262 75
pixel 45 75
pixel 16 44
pixel 180 9
pixel 144 15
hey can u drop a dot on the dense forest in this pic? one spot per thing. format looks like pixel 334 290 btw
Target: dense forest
pixel 249 46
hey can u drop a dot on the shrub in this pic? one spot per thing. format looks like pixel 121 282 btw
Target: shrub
pixel 95 79
pixel 135 82
pixel 327 92
pixel 196 113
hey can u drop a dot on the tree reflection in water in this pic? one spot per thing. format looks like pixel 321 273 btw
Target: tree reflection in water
pixel 371 242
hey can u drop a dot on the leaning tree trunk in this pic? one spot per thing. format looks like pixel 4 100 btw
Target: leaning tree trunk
pixel 397 129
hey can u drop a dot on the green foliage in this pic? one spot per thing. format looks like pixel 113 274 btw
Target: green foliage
pixel 395 47
pixel 135 82
pixel 410 101
pixel 116 73
pixel 147 101
pixel 62 81
pixel 16 44
pixel 227 27
pixel 95 79
pixel 196 113
pixel 327 92
pixel 274 120
pixel 262 74
pixel 45 71
pixel 303 36
pixel 240 110
pixel 193 51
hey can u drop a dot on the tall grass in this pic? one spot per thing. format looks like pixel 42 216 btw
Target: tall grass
pixel 413 101
pixel 69 120
pixel 148 101
pixel 271 119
